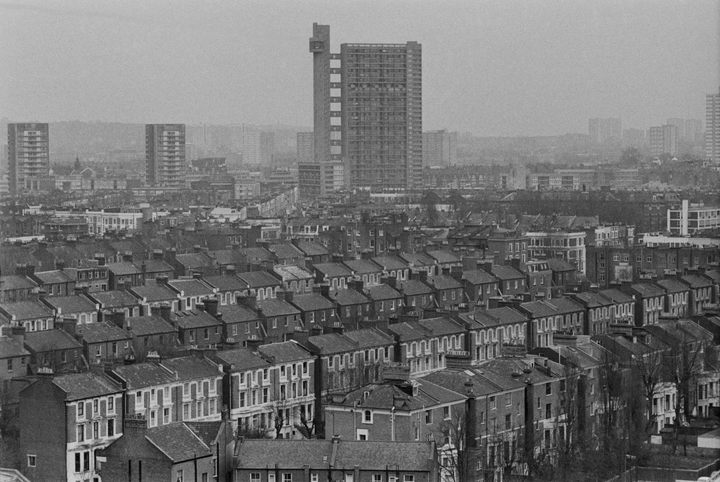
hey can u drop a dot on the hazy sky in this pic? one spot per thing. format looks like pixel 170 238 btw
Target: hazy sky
pixel 493 67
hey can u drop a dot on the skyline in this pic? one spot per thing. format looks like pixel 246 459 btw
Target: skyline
pixel 245 63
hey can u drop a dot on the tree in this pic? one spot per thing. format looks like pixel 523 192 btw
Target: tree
pixel 683 365
pixel 648 369
pixel 453 454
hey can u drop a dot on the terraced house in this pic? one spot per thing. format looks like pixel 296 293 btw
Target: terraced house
pixel 177 389
pixel 65 420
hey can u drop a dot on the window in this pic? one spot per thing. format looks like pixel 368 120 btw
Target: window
pixel 81 409
pixel 179 476
pixel 314 477
pixel 492 402
pixel 81 433
pixel 377 478
pixel 428 416
pixel 255 477
pixel 286 477
pixel 548 389
pixel 31 460
pixel 204 477
pixel 111 404
pixel 78 462
pixel 111 427
pixel 548 410
pixel 408 478
pixel 96 405
pixel 86 461
pixel 446 413
pixel 367 416
pixel 508 399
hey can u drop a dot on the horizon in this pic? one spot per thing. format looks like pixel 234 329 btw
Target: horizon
pixel 245 63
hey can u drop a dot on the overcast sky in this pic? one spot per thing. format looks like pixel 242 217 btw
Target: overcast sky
pixel 492 67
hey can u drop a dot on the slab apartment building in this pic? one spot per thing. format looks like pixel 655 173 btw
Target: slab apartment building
pixel 367 106
pixel 165 155
pixel 28 156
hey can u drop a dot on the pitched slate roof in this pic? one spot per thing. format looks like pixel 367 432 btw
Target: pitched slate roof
pixel 114 298
pixel 283 453
pixel 178 442
pixel 154 292
pixel 386 396
pixel 443 256
pixel 312 248
pixel 79 386
pixel 331 343
pixel 389 263
pixel 241 359
pixel 672 285
pixel 370 455
pixel 237 314
pixel 16 282
pixel 285 251
pixel 53 277
pixel 444 282
pixel 149 325
pixel 122 269
pixel 441 325
pixel 591 300
pixel 696 281
pixel 102 332
pixel 413 287
pixel 191 287
pixel 418 259
pixel 348 297
pixel 225 282
pixel 560 265
pixel 276 307
pixel 192 368
pixel 382 292
pixel 333 270
pixel 564 305
pixel 647 290
pixel 286 351
pixel 49 340
pixel 141 375
pixel 190 319
pixel 194 260
pixel 259 279
pixel 538 309
pixel 312 302
pixel 478 276
pixel 225 257
pixel 505 272
pixel 363 266
pixel 153 266
pixel 71 304
pixel 27 310
pixel 616 296
pixel 505 315
pixel 369 337
pixel 11 347
pixel 291 273
pixel 257 254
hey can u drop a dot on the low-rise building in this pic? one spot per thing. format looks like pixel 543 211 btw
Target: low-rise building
pixel 64 420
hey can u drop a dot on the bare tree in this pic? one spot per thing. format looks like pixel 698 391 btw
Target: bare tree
pixel 453 453
pixel 649 371
pixel 683 365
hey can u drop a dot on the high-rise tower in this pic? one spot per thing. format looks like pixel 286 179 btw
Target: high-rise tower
pixel 165 154
pixel 367 115
pixel 28 156
pixel 712 127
